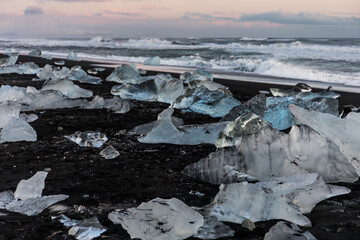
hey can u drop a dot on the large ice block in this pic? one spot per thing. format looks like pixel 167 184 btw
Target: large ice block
pixel 32 187
pixel 68 88
pixel 17 130
pixel 287 231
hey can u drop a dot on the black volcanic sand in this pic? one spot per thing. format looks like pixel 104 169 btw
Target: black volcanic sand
pixel 142 172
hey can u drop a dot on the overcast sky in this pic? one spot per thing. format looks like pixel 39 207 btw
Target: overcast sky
pixel 180 18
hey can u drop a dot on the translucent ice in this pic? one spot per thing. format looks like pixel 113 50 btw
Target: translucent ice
pixel 199 74
pixel 164 131
pixel 116 104
pixel 24 68
pixel 32 187
pixel 154 61
pixel 300 87
pixel 244 125
pixel 88 139
pixel 8 112
pixel 168 88
pixel 328 93
pixel 344 132
pixel 10 60
pixel 213 229
pixel 109 152
pixel 65 220
pixel 202 100
pixel 35 53
pixel 87 229
pixel 145 91
pixel 6 197
pixel 78 74
pixel 127 74
pixel 161 219
pixel 68 88
pixel 17 130
pixel 145 128
pixel 73 56
pixel 34 206
pixel 28 117
pixel 46 72
pixel 287 231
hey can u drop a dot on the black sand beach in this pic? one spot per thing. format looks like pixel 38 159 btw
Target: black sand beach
pixel 142 171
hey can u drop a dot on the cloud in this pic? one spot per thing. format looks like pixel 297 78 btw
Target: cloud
pixel 298 18
pixel 83 0
pixel 207 17
pixel 32 10
pixel 122 13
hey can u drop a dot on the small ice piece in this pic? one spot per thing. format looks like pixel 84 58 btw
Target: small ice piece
pixel 164 131
pixel 65 220
pixel 99 69
pixel 204 101
pixel 145 128
pixel 154 61
pixel 116 104
pixel 61 73
pixel 31 188
pixel 300 87
pixel 145 91
pixel 8 112
pixel 68 88
pixel 213 229
pixel 6 197
pixel 87 229
pixel 35 53
pixel 198 75
pixel 60 63
pixel 287 231
pixel 78 74
pixel 127 74
pixel 109 152
pixel 255 105
pixel 328 93
pixel 10 60
pixel 244 125
pixel 34 206
pixel 344 132
pixel 73 56
pixel 28 117
pixel 88 139
pixel 92 71
pixel 196 193
pixel 24 68
pixel 161 219
pixel 46 72
pixel 17 130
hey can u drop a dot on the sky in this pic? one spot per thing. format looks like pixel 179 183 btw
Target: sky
pixel 179 18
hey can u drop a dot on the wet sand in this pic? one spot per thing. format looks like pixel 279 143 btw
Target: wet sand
pixel 141 172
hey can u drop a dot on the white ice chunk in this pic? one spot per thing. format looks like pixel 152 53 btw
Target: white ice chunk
pixel 287 231
pixel 159 219
pixel 32 187
pixel 198 75
pixel 88 139
pixel 17 130
pixel 168 88
pixel 28 117
pixel 164 131
pixel 34 206
pixel 343 132
pixel 116 104
pixel 10 60
pixel 6 197
pixel 109 152
pixel 8 112
pixel 46 72
pixel 145 91
pixel 24 68
pixel 87 229
pixel 154 61
pixel 68 88
pixel 73 56
pixel 127 74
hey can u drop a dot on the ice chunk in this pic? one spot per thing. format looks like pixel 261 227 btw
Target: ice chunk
pixel 24 68
pixel 213 229
pixel 17 130
pixel 287 231
pixel 255 105
pixel 212 86
pixel 87 229
pixel 60 63
pixel 68 88
pixel 202 100
pixel 77 74
pixel 35 53
pixel 61 73
pixel 34 206
pixel 10 60
pixel 168 88
pixel 109 152
pixel 116 104
pixel 145 128
pixel 300 87
pixel 127 74
pixel 164 131
pixel 154 61
pixel 88 139
pixel 345 133
pixel 31 188
pixel 65 220
pixel 8 112
pixel 244 125
pixel 73 56
pixel 328 93
pixel 161 219
pixel 6 198
pixel 28 117
pixel 198 75
pixel 277 154
pixel 46 72
pixel 145 91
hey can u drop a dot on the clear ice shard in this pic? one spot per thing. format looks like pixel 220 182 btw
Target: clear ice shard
pixel 10 60
pixel 145 128
pixel 246 124
pixel 201 100
pixel 87 229
pixel 6 197
pixel 67 88
pixel 198 75
pixel 78 74
pixel 65 220
pixel 32 187
pixel 255 105
pixel 277 154
pixel 8 112
pixel 127 74
pixel 145 91
pixel 73 56
pixel 116 104
pixel 24 68
pixel 300 87
pixel 17 130
pixel 344 132
pixel 109 152
pixel 213 229
pixel 34 206
pixel 88 139
pixel 287 231
pixel 35 53
pixel 154 61
pixel 164 131
pixel 168 88
pixel 161 219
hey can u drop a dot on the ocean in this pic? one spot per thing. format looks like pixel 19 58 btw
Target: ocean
pixel 329 60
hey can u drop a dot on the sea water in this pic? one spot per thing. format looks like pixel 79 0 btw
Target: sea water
pixel 330 60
